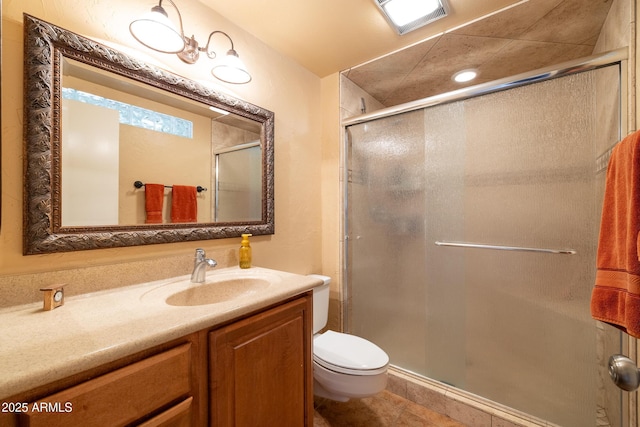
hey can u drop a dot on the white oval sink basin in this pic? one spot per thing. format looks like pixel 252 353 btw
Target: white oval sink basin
pixel 217 291
pixel 228 285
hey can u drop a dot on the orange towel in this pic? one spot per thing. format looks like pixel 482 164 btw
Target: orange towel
pixel 616 296
pixel 153 200
pixel 184 205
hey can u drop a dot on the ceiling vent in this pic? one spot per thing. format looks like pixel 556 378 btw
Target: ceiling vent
pixel 408 15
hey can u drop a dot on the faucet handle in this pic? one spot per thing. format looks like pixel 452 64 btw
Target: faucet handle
pixel 200 255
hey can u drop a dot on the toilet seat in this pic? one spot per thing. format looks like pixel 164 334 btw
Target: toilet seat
pixel 349 354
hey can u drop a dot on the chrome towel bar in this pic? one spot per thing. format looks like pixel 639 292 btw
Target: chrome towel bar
pixel 507 248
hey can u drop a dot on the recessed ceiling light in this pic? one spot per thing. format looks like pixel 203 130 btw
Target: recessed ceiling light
pixel 408 15
pixel 465 76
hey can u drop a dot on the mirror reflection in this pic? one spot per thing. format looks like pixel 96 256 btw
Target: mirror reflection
pixel 117 132
pixel 237 181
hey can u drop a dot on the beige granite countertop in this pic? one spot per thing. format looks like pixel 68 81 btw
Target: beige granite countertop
pixel 38 347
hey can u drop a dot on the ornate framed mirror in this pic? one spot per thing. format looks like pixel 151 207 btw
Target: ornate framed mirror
pixel 100 125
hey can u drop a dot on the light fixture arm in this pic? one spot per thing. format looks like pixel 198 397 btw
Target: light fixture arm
pixel 192 50
pixel 211 54
pixel 160 9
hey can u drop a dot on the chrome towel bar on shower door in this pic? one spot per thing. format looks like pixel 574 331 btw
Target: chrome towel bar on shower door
pixel 507 248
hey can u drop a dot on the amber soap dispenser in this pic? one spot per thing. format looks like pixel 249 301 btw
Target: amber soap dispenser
pixel 245 252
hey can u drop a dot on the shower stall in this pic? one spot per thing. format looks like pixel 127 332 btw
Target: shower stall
pixel 471 224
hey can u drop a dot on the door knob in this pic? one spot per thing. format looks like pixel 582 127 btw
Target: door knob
pixel 624 372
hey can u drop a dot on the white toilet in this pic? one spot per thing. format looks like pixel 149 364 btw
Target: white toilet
pixel 344 366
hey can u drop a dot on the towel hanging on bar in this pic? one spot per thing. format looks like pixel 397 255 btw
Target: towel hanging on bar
pixel 615 298
pixel 184 204
pixel 154 199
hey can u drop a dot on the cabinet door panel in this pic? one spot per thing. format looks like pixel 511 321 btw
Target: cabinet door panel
pixel 260 369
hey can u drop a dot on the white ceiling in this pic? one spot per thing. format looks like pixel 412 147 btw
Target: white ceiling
pixel 328 36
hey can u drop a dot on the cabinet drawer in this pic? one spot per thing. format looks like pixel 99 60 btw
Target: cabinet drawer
pixel 119 397
pixel 176 416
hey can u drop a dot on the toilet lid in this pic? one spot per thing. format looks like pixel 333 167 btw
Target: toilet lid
pixel 349 352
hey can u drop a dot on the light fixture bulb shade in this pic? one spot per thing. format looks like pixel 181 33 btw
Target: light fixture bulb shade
pixel 156 31
pixel 231 69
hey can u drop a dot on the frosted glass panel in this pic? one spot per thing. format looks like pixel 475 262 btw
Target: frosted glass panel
pixel 239 185
pixel 519 168
pixel 387 229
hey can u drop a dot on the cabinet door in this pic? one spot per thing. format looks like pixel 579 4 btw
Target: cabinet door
pixel 260 369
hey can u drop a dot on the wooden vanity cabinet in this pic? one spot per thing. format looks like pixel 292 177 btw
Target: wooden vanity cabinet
pixel 159 390
pixel 260 369
pixel 256 371
pixel 120 397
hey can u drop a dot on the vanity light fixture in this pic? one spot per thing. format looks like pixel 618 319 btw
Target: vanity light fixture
pixel 464 76
pixel 156 31
pixel 409 15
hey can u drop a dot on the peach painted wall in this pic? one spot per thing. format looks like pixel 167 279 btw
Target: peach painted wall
pixel 279 84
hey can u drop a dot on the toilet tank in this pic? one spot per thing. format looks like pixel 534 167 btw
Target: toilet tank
pixel 320 303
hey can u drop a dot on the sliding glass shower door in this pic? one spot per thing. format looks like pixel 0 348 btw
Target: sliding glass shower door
pixel 472 233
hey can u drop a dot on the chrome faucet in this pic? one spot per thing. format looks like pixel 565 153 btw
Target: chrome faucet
pixel 200 264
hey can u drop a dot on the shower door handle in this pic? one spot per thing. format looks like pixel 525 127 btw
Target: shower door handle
pixel 506 248
pixel 624 372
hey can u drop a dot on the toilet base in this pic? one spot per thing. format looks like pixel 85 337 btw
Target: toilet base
pixel 342 387
pixel 320 391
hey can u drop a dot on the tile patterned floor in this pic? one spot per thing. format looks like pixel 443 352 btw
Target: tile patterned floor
pixel 382 410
